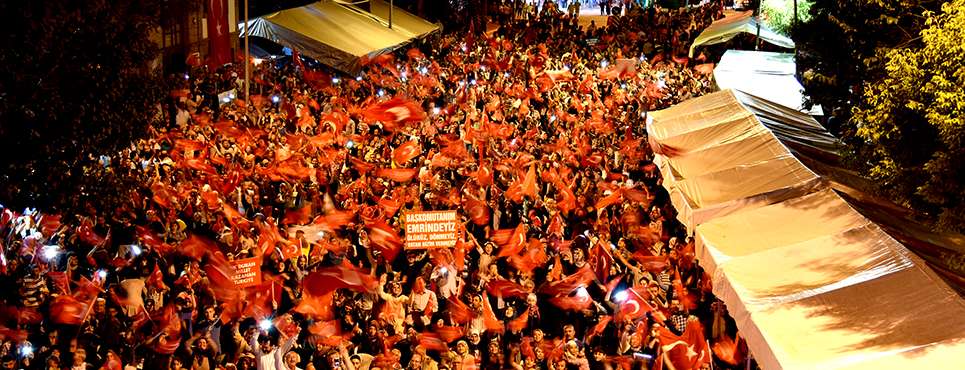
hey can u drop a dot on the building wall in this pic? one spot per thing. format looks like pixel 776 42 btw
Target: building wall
pixel 184 31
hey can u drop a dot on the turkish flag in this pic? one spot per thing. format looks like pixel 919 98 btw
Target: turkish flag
pixel 60 281
pixel 286 325
pixel 336 117
pixel 298 216
pixel 401 175
pixel 449 333
pixel 484 175
pixel 476 209
pixel 651 263
pixel 602 261
pixel 88 236
pixel 406 152
pixel 335 220
pixel 326 328
pixel 327 279
pixel 635 305
pixel 65 309
pixel 432 342
pixel 112 364
pixel 459 311
pixel 49 224
pixel 505 289
pixel 318 307
pixel 193 59
pixel 389 206
pixel 199 164
pixel 385 239
pixel 688 351
pixel 525 186
pixel 511 241
pixel 688 300
pixel 293 169
pixel 599 327
pixel 576 302
pixel 11 334
pixel 623 68
pixel 221 274
pixel 727 350
pixel 219 36
pixel 415 54
pixel 394 112
pixel 569 283
pixel 567 200
pixel 519 323
pixel 360 165
pixel 489 317
pixel 500 131
pixel 196 247
pixel 156 279
pixel 170 324
pixel 533 257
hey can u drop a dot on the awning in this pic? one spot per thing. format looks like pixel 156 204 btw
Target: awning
pixel 724 29
pixel 764 74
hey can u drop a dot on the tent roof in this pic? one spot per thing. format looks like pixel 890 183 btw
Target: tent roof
pixel 731 25
pixel 334 34
pixel 724 158
pixel 816 275
pixel 829 290
pixel 764 74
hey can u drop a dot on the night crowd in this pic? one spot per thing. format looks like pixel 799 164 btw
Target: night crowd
pixel 569 256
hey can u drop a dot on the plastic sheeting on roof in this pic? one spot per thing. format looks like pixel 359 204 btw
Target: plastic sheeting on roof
pixel 726 28
pixel 813 284
pixel 808 274
pixel 765 74
pixel 333 34
pixel 723 158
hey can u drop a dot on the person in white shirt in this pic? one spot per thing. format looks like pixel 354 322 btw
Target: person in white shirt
pixel 422 304
pixel 269 356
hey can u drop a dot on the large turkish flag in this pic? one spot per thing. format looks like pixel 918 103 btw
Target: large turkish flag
pixel 219 37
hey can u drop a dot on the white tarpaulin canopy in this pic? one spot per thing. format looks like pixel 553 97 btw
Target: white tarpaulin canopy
pixel 720 158
pixel 764 74
pixel 334 34
pixel 726 28
pixel 811 282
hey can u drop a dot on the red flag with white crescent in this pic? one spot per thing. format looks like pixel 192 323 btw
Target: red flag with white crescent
pixel 406 152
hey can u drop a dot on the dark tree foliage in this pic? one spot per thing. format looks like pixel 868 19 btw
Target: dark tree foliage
pixel 77 82
pixel 843 45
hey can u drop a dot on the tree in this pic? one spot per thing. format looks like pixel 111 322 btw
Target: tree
pixel 779 14
pixel 76 84
pixel 913 120
pixel 842 45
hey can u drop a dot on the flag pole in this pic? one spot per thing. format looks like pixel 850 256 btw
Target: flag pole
pixel 757 41
pixel 247 59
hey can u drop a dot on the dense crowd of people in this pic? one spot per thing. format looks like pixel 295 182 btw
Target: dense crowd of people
pixel 570 255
